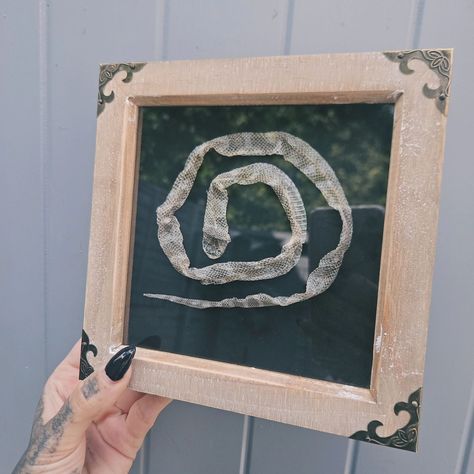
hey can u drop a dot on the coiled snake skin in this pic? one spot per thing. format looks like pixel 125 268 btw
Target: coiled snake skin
pixel 215 230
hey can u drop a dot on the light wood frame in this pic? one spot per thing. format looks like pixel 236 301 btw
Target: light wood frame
pixel 420 98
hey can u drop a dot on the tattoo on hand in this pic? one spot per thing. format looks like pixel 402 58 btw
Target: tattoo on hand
pixel 90 388
pixel 44 436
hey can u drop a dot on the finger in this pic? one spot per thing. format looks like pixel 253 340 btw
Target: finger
pixel 73 357
pixel 127 399
pixel 70 361
pixel 93 397
pixel 61 382
pixel 142 416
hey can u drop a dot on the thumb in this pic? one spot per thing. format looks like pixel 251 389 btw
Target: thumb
pixel 96 395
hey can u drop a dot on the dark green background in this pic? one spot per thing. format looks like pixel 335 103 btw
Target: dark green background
pixel 328 337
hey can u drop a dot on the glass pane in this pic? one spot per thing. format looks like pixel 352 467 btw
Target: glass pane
pixel 329 336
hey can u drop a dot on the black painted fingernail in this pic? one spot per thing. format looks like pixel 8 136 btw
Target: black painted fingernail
pixel 120 362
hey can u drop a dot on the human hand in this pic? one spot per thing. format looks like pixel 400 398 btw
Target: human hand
pixel 92 426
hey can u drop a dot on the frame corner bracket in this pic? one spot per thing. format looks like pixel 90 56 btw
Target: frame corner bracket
pixel 438 60
pixel 404 438
pixel 107 73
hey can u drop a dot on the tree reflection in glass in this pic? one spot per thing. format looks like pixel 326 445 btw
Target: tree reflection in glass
pixel 329 337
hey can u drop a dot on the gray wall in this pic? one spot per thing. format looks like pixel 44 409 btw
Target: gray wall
pixel 49 55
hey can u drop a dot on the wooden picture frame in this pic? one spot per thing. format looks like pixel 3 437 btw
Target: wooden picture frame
pixel 417 83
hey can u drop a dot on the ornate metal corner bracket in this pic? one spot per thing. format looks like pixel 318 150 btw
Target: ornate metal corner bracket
pixel 439 60
pixel 107 73
pixel 404 438
pixel 86 368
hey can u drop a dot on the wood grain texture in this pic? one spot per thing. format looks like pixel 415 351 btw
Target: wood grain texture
pixel 407 254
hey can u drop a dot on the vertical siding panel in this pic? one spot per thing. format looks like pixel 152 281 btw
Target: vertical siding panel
pixel 282 449
pixel 468 467
pixel 161 20
pixel 351 457
pixel 83 34
pixel 290 15
pixel 346 26
pixel 465 461
pixel 192 439
pixel 247 443
pixel 210 29
pixel 450 355
pixel 313 28
pixel 21 236
pixel 416 23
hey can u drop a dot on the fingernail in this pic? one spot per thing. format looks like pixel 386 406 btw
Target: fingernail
pixel 120 362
